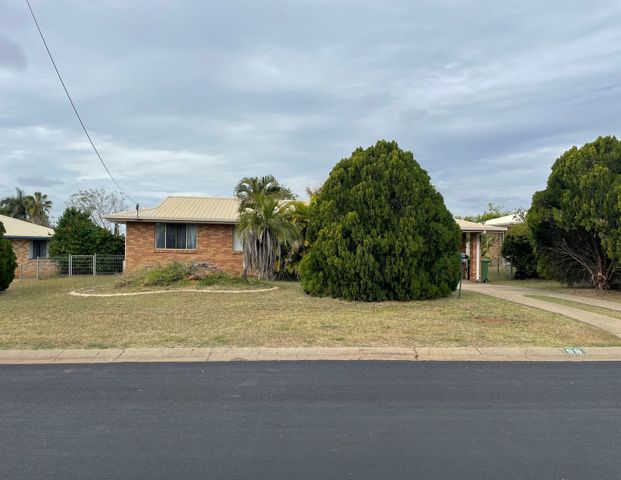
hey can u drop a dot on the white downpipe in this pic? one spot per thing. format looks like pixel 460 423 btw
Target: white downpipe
pixel 478 237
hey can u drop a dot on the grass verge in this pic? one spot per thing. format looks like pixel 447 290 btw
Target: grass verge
pixel 41 314
pixel 582 306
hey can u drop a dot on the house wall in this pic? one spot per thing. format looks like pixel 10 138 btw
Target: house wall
pixel 27 267
pixel 494 252
pixel 472 240
pixel 214 244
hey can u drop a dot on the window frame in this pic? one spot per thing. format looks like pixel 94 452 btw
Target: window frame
pixel 241 243
pixel 191 229
pixel 31 248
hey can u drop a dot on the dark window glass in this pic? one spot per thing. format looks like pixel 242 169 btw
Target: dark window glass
pixel 175 235
pixel 160 235
pixel 39 249
pixel 181 240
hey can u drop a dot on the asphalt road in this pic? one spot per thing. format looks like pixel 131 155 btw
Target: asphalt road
pixel 311 420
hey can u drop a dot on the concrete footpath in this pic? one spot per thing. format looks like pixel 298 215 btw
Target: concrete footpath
pixel 225 354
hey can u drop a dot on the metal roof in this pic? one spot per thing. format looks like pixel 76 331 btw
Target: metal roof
pixel 222 210
pixel 473 227
pixel 21 229
pixel 505 221
pixel 184 209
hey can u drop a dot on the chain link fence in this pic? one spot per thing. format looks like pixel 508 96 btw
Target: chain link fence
pixel 72 265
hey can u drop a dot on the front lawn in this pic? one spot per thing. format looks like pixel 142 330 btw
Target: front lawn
pixel 41 314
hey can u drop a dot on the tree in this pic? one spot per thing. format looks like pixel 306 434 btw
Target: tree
pixel 77 234
pixel 518 249
pixel 16 206
pixel 99 202
pixel 380 231
pixel 39 208
pixel 576 221
pixel 265 223
pixel 8 261
pixel 250 189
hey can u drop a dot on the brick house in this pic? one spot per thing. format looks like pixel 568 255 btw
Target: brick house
pixel 203 229
pixel 496 239
pixel 471 244
pixel 30 243
pixel 185 229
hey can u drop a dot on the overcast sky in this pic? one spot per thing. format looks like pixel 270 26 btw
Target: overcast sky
pixel 187 97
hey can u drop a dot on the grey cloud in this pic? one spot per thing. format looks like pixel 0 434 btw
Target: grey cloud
pixel 12 56
pixel 190 98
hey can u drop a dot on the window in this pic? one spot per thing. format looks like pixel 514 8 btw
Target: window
pixel 38 249
pixel 238 246
pixel 175 235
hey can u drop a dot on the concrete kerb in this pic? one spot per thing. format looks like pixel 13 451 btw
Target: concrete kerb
pixel 227 354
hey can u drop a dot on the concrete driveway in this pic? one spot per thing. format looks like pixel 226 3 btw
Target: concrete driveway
pixel 520 295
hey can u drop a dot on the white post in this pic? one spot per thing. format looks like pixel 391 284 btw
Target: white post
pixel 478 237
pixel 95 265
pixel 70 265
pixel 37 268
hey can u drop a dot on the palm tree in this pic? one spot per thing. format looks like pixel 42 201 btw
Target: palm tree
pixel 265 223
pixel 16 206
pixel 250 188
pixel 265 228
pixel 39 208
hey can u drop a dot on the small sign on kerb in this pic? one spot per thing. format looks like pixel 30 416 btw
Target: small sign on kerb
pixel 574 351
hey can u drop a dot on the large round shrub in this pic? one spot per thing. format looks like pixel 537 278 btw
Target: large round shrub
pixel 8 262
pixel 380 231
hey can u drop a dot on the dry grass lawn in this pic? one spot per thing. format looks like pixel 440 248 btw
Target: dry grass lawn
pixel 42 315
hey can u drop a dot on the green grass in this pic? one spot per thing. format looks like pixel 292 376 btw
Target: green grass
pixel 582 306
pixel 41 314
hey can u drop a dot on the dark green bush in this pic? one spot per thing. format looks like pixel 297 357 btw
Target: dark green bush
pixel 8 261
pixel 518 249
pixel 380 231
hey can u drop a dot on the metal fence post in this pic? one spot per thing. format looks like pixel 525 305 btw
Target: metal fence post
pixel 95 265
pixel 70 265
pixel 37 268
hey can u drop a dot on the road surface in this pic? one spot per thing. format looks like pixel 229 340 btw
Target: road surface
pixel 311 420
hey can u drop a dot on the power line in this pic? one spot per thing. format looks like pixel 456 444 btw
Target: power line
pixel 74 107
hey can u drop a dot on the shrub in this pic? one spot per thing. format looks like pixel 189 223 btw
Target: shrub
pixel 576 221
pixel 167 275
pixel 380 231
pixel 8 261
pixel 517 248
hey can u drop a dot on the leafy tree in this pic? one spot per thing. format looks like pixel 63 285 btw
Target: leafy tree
pixel 265 224
pixel 16 206
pixel 380 231
pixel 39 208
pixel 99 202
pixel 8 261
pixel 518 249
pixel 293 252
pixel 77 234
pixel 576 221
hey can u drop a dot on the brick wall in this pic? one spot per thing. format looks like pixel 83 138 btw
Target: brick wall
pixel 214 244
pixel 27 267
pixel 494 252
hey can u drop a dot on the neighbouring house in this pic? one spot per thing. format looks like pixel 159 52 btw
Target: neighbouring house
pixel 204 229
pixel 496 239
pixel 471 244
pixel 30 243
